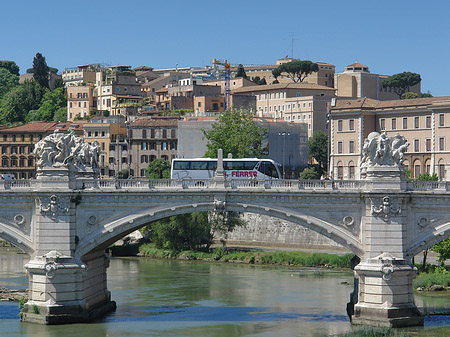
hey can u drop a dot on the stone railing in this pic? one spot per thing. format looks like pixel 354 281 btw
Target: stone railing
pixel 279 184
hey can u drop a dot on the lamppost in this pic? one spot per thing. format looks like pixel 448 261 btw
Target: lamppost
pixel 283 134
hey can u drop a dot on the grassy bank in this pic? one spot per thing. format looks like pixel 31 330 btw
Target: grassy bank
pixel 252 257
pixel 436 276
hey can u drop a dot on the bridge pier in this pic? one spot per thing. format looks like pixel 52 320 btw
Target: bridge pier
pixel 63 290
pixel 386 293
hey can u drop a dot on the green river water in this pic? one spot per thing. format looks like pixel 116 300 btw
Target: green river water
pixel 182 298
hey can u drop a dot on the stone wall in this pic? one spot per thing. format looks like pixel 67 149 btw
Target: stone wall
pixel 262 230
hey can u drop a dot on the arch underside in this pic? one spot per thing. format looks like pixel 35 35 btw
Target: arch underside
pixel 429 238
pixel 110 232
pixel 16 238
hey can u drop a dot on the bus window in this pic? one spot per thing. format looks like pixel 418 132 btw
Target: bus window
pixel 181 165
pixel 250 165
pixel 268 169
pixel 228 165
pixel 212 165
pixel 199 165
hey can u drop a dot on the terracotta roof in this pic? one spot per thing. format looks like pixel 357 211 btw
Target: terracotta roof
pixel 356 64
pixel 372 104
pixel 281 86
pixel 38 126
pixel 273 66
pixel 162 90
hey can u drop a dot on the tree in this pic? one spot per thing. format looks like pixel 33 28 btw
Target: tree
pixel 318 149
pixel 40 70
pixel 52 102
pixel 158 169
pixel 11 66
pixel 409 95
pixel 259 81
pixel 8 81
pixel 401 82
pixel 426 94
pixel 297 71
pixel 16 104
pixel 240 72
pixel 235 133
pixel 309 173
pixel 427 177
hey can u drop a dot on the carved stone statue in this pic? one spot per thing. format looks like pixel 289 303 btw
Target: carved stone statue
pixel 66 150
pixel 381 150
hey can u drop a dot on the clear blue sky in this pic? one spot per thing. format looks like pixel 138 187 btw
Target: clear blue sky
pixel 388 36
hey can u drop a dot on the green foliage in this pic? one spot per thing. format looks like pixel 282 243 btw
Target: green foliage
pixel 409 95
pixel 240 72
pixel 11 66
pixel 222 254
pixel 123 174
pixel 16 104
pixel 235 133
pixel 35 309
pixel 259 81
pixel 40 70
pixel 427 177
pixel 440 276
pixel 51 107
pixel 309 173
pixel 443 249
pixel 401 83
pixel 318 149
pixel 158 169
pixel 8 81
pixel 181 232
pixel 426 94
pixel 408 174
pixel 297 71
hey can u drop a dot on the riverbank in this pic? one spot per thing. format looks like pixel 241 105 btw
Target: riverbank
pixel 252 256
pixel 12 295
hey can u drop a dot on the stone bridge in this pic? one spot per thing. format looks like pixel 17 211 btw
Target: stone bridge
pixel 64 220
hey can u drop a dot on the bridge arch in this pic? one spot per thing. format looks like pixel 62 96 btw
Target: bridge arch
pixel 429 239
pixel 110 232
pixel 16 238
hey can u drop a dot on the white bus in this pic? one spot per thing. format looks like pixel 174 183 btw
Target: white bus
pixel 243 168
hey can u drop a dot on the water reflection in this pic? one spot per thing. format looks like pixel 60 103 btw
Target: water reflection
pixel 181 298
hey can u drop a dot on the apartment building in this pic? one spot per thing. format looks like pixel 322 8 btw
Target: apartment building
pixel 111 134
pixel 357 81
pixel 79 75
pixel 294 102
pixel 116 88
pixel 424 122
pixel 149 89
pixel 80 101
pixel 17 146
pixel 150 139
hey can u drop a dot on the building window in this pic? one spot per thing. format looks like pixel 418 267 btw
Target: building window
pixel 144 133
pixel 152 133
pixel 172 133
pixel 441 120
pixel 340 125
pixel 164 146
pixel 144 158
pixel 441 144
pixel 405 123
pixel 382 124
pixel 428 122
pixel 394 124
pixel 144 146
pixel 339 148
pixel 416 145
pixel 416 122
pixel 351 146
pixel 199 104
pixel 441 171
pixel 428 144
pixel 164 134
pixel 351 172
pixel 351 124
pixel 416 171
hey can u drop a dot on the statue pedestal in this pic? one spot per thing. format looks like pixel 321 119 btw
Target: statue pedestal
pixel 385 177
pixel 53 177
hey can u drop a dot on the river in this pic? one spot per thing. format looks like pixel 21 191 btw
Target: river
pixel 182 298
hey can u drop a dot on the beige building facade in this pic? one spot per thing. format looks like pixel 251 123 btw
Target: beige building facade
pixel 357 81
pixel 424 122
